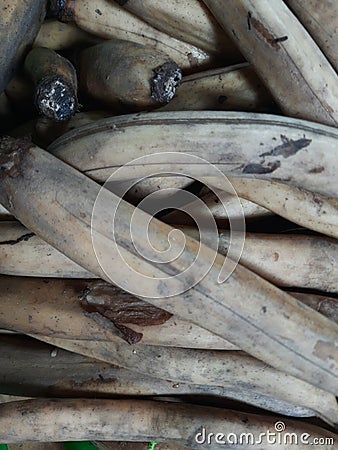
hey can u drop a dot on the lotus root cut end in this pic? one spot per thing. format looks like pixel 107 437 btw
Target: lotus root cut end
pixel 55 99
pixel 166 80
pixel 63 10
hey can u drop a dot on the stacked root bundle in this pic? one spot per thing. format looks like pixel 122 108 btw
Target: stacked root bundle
pixel 168 224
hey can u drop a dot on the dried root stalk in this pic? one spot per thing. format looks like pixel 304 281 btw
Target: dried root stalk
pixel 110 21
pixel 297 261
pixel 189 21
pixel 273 326
pixel 123 74
pixel 19 24
pixel 68 420
pixel 87 146
pixel 287 260
pixel 55 83
pixel 303 83
pixel 60 36
pixel 319 17
pixel 234 88
pixel 40 370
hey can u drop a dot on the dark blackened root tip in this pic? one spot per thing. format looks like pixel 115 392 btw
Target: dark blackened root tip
pixel 121 2
pixel 56 99
pixel 12 151
pixel 62 10
pixel 165 81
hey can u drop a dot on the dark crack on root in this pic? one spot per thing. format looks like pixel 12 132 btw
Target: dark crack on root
pixel 24 237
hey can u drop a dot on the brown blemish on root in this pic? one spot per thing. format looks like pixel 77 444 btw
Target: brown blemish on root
pixel 276 256
pixel 324 351
pixel 125 333
pixel 129 335
pixel 270 39
pixel 12 151
pixel 124 308
pixel 317 170
pixel 328 108
pixel 288 147
pixel 113 313
pixel 317 201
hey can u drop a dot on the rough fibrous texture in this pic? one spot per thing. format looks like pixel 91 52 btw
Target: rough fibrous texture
pixel 56 99
pixel 11 152
pixel 166 80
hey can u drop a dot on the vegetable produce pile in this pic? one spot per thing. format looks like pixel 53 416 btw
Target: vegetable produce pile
pixel 168 224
